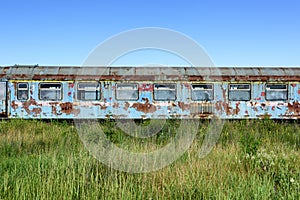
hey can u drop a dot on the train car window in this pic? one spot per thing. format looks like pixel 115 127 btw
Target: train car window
pixel 127 92
pixel 164 92
pixel 22 91
pixel 88 91
pixel 239 92
pixel 276 92
pixel 2 90
pixel 202 92
pixel 50 91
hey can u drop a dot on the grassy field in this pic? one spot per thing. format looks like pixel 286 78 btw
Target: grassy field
pixel 252 160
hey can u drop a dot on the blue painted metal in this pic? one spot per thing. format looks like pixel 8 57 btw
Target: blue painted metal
pixel 146 106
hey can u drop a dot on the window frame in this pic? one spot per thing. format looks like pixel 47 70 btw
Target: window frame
pixel 22 89
pixel 202 89
pixel 239 89
pixel 51 89
pixel 96 89
pixel 155 89
pixel 135 89
pixel 267 90
pixel 3 90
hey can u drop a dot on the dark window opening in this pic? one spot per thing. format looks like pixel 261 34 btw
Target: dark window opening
pixel 22 91
pixel 202 92
pixel 50 91
pixel 276 92
pixel 88 91
pixel 127 92
pixel 165 92
pixel 239 92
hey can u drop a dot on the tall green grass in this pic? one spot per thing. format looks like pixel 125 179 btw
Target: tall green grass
pixel 252 160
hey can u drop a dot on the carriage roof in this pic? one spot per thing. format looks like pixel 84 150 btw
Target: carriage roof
pixel 36 72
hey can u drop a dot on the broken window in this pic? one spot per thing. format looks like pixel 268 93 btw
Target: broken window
pixel 88 91
pixel 164 92
pixel 202 92
pixel 239 92
pixel 50 91
pixel 276 92
pixel 22 91
pixel 127 92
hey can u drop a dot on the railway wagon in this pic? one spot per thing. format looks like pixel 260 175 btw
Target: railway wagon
pixel 65 92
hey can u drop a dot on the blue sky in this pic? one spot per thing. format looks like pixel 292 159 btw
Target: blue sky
pixel 233 32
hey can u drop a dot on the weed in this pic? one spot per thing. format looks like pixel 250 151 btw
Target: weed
pixel 47 160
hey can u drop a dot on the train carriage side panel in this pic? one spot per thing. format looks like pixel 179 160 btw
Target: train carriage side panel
pixel 41 99
pixel 293 104
pixel 3 99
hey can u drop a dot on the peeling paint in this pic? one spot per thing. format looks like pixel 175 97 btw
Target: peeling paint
pixel 67 108
pixel 126 106
pixel 36 111
pixel 14 105
pixel 144 107
pixel 116 105
pixel 30 102
pixel 294 108
pixel 183 106
pixel 237 109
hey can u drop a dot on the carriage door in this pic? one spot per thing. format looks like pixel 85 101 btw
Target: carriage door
pixel 2 98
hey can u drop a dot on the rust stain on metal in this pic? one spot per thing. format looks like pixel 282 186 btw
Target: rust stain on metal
pixel 53 103
pixel 220 105
pixel 146 87
pixel 195 78
pixel 53 107
pixel 255 109
pixel 144 107
pixel 30 102
pixel 227 108
pixel 126 106
pixel 222 73
pixel 253 106
pixel 15 86
pixel 71 85
pixel 54 110
pixel 102 107
pixel 14 105
pixel 273 108
pixel 116 105
pixel 224 94
pixel 203 115
pixel 237 109
pixel 294 107
pixel 183 106
pixel 67 108
pixel 37 111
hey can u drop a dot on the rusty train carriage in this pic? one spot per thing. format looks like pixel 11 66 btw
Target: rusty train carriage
pixel 149 92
